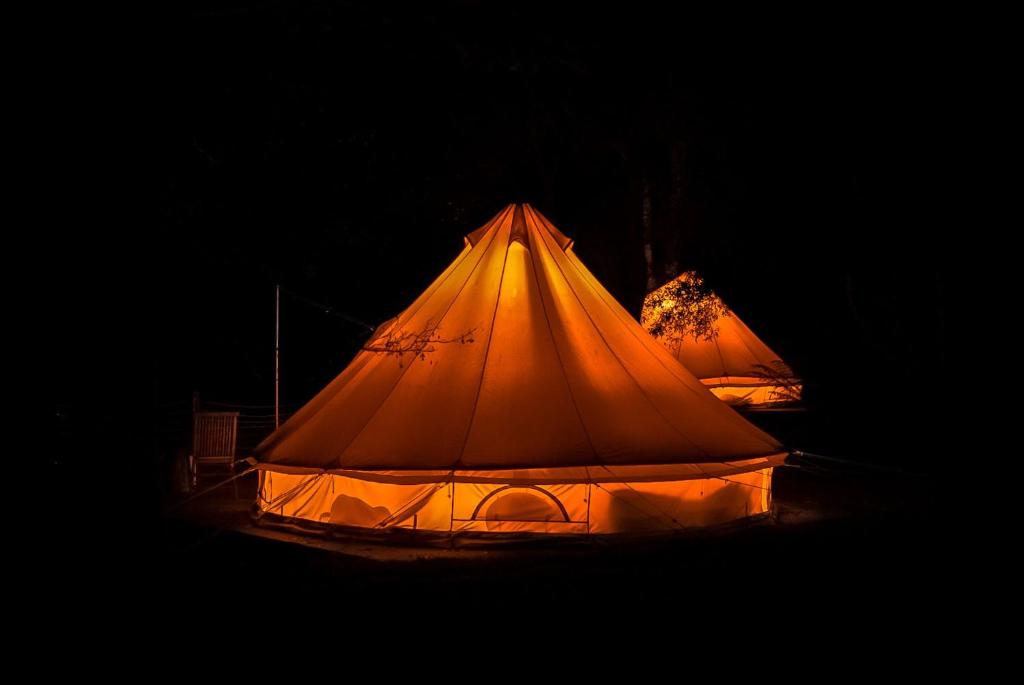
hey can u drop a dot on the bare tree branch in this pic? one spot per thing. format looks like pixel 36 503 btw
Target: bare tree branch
pixel 417 343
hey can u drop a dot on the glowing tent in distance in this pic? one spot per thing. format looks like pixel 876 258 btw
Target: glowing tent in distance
pixel 714 344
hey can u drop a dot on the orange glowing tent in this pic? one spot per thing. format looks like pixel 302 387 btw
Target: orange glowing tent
pixel 724 353
pixel 515 395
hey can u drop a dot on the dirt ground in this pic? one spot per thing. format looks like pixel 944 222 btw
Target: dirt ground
pixel 843 542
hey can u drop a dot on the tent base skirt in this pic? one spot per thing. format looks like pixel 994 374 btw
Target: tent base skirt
pixel 739 394
pixel 353 507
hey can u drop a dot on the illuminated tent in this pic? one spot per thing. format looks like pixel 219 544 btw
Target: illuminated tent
pixel 515 395
pixel 722 352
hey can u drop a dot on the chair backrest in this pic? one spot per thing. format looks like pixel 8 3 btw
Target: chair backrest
pixel 214 433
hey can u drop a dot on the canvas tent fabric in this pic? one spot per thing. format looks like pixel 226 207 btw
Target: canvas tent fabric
pixel 736 365
pixel 516 395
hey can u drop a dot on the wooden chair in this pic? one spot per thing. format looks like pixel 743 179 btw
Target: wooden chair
pixel 214 437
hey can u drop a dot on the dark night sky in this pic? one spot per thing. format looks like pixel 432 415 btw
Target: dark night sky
pixel 344 149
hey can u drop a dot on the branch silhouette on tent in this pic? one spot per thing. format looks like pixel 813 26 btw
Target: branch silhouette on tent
pixel 417 343
pixel 778 375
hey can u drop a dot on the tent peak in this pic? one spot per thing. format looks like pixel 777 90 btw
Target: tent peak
pixel 519 231
pixel 524 220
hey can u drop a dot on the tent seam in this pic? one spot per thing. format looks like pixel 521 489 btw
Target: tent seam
pixel 487 350
pixel 558 353
pixel 732 415
pixel 406 369
pixel 626 370
pixel 291 429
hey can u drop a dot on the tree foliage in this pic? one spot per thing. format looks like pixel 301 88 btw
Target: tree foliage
pixel 682 307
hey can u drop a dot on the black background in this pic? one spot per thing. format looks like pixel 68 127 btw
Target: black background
pixel 343 150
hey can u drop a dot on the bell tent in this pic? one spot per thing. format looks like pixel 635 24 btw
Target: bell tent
pixel 714 344
pixel 515 395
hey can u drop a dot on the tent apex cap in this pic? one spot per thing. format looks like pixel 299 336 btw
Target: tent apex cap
pixel 516 212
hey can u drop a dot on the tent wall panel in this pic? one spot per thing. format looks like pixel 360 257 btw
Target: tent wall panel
pixel 573 508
